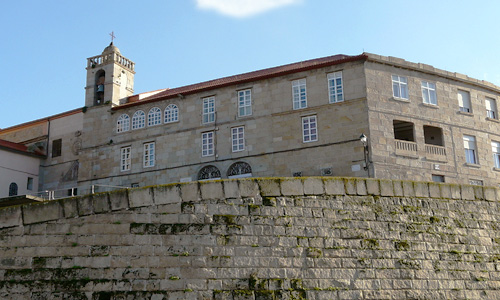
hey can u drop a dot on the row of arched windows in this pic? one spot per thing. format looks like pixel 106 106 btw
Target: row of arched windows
pixel 154 118
pixel 237 169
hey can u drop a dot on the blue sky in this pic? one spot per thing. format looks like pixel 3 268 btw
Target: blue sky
pixel 178 42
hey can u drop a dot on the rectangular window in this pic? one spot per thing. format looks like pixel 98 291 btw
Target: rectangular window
pixel 56 147
pixel 309 129
pixel 399 87
pixel 29 184
pixel 437 178
pixel 125 159
pixel 244 103
pixel 464 101
pixel 299 93
pixel 496 154
pixel 238 138
pixel 149 155
pixel 470 149
pixel 429 93
pixel 209 109
pixel 207 143
pixel 335 89
pixel 491 108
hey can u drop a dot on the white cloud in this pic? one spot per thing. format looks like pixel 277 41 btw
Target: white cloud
pixel 242 8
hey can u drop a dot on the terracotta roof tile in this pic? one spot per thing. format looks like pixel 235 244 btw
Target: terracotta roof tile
pixel 245 77
pixel 16 147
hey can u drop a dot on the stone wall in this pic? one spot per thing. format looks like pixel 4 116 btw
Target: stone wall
pixel 308 238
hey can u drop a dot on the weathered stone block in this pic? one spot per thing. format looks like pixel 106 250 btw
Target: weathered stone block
pixel 231 189
pixel 421 189
pixel 248 187
pixel 119 199
pixel 85 205
pixel 211 190
pixel 10 216
pixel 467 192
pixel 434 190
pixel 269 187
pixel 408 189
pixel 167 194
pixel 361 187
pixel 386 188
pixel 100 202
pixel 70 207
pixel 350 186
pixel 373 186
pixel 478 192
pixel 456 191
pixel 291 186
pixel 190 191
pixel 42 212
pixel 140 197
pixel 398 188
pixel 313 186
pixel 490 193
pixel 445 190
pixel 334 186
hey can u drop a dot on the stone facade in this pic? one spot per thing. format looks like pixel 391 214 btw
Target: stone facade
pixel 273 135
pixel 407 137
pixel 307 238
pixel 56 170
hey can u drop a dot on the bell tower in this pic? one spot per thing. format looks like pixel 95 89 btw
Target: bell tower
pixel 110 77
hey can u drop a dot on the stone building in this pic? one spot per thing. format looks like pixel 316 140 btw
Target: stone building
pixel 56 142
pixel 301 119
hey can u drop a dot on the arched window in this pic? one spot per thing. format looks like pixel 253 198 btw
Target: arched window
pixel 154 116
pixel 13 189
pixel 171 113
pixel 209 172
pixel 123 123
pixel 138 120
pixel 239 169
pixel 99 87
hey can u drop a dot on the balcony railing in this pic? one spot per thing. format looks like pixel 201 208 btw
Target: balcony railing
pixel 406 148
pixel 433 152
pixel 111 57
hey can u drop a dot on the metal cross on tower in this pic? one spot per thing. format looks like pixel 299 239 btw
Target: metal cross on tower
pixel 112 34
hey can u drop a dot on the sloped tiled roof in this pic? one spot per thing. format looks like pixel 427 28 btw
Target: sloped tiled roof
pixel 244 78
pixel 20 148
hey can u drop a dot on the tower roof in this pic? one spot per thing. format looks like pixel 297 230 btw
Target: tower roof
pixel 111 48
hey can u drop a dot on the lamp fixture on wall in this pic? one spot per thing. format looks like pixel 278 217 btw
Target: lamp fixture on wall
pixel 364 140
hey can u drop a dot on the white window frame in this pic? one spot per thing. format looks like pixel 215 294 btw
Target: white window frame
pixel 138 120
pixel 207 143
pixel 429 93
pixel 149 155
pixel 208 110
pixel 123 123
pixel 309 129
pixel 245 103
pixel 238 139
pixel 125 158
pixel 495 147
pixel 400 87
pixel 299 93
pixel 154 116
pixel 491 108
pixel 171 114
pixel 464 102
pixel 335 87
pixel 470 150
